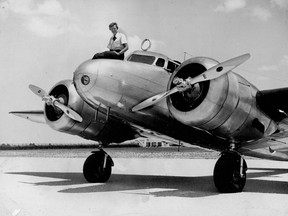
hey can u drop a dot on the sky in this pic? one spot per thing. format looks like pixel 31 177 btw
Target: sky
pixel 43 41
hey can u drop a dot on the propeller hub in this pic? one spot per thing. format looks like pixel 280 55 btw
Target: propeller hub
pixel 58 103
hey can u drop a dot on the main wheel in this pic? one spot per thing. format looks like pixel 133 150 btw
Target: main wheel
pixel 227 176
pixel 96 168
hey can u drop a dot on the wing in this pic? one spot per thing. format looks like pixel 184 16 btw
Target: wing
pixel 274 104
pixel 146 133
pixel 267 148
pixel 150 134
pixel 34 116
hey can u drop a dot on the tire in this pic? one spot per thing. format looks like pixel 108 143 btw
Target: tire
pixel 227 178
pixel 93 170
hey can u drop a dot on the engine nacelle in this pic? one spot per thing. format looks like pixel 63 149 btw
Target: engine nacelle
pixel 96 124
pixel 225 106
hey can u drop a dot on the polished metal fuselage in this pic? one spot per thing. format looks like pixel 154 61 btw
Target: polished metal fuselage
pixel 229 109
pixel 120 85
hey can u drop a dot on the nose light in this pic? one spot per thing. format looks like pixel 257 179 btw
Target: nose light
pixel 85 80
pixel 219 69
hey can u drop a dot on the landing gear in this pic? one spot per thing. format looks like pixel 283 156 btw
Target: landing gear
pixel 230 172
pixel 97 167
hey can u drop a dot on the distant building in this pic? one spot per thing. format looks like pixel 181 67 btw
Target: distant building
pixel 148 143
pixel 144 143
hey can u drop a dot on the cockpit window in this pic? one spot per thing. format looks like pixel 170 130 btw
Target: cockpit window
pixel 160 62
pixel 171 66
pixel 141 58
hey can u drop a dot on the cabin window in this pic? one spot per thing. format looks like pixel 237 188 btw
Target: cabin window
pixel 160 62
pixel 142 58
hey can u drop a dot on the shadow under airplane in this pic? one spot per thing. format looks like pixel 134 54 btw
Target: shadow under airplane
pixel 171 186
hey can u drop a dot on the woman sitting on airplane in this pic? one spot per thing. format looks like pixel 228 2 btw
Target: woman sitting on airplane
pixel 117 45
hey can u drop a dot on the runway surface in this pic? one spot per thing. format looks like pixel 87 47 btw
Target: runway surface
pixel 45 183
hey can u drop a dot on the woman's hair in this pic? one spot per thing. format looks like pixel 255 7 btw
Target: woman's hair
pixel 112 24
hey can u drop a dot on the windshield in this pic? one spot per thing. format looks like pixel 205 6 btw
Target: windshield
pixel 142 58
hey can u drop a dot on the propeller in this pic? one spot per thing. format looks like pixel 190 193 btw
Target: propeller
pixel 51 100
pixel 210 74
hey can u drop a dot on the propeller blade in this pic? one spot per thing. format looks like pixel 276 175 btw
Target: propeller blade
pixel 38 91
pixel 69 112
pixel 50 100
pixel 212 73
pixel 153 100
pixel 220 69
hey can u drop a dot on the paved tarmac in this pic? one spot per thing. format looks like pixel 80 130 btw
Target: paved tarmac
pixel 40 186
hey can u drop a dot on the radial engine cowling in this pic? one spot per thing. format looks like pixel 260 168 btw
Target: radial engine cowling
pixel 225 105
pixel 96 125
pixel 56 119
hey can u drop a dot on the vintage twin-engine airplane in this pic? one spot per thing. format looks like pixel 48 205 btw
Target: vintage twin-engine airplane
pixel 200 101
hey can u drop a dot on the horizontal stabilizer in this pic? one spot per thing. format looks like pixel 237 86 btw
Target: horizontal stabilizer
pixel 35 116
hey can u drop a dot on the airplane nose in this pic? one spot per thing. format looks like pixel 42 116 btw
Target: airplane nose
pixel 85 76
pixel 103 82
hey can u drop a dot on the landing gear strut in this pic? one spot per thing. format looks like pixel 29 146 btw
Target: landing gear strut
pixel 230 172
pixel 98 167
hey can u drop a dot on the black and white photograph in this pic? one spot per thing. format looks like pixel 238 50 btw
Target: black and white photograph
pixel 149 108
